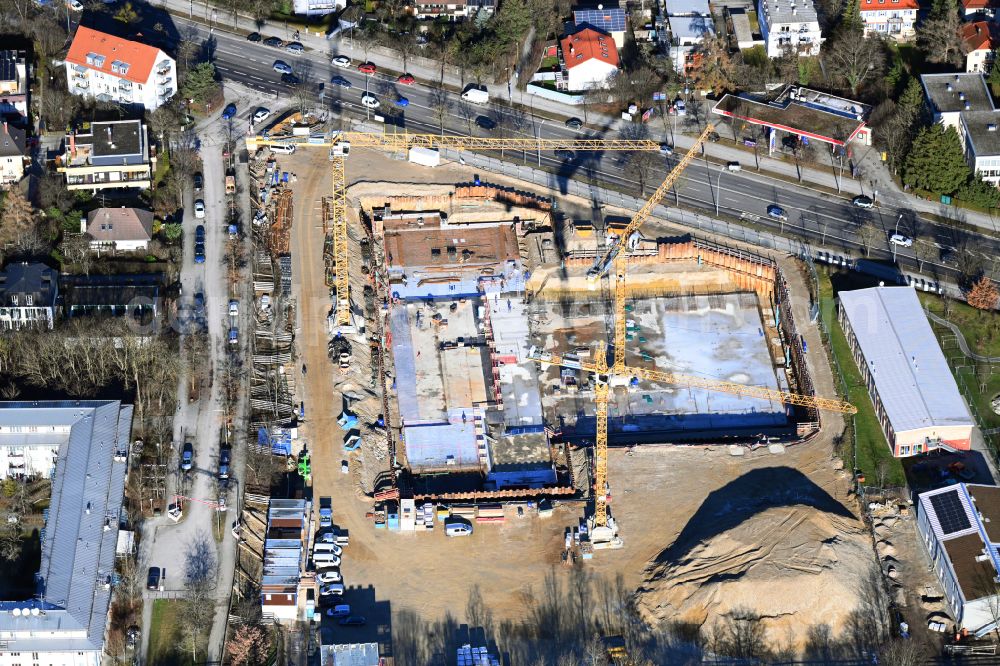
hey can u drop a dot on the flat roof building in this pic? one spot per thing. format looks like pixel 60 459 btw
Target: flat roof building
pixel 284 559
pixel 113 155
pixel 960 527
pixel 803 113
pixel 916 399
pixel 83 447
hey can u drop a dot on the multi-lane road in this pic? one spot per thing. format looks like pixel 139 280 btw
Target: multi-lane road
pixel 826 221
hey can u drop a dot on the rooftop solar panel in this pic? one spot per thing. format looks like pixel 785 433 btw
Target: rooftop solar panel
pixel 609 20
pixel 950 512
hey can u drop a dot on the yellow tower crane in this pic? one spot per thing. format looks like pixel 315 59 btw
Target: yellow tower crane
pixel 340 143
pixel 603 531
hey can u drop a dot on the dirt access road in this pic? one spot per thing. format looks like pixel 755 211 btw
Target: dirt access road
pixel 657 489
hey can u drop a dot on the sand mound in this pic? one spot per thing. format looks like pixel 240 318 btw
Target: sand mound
pixel 795 565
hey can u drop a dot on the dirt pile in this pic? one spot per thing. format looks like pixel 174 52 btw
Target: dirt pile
pixel 794 556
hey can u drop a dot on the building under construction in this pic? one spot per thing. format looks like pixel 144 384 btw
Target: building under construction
pixel 478 292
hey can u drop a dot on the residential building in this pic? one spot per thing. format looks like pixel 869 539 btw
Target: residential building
pixel 686 34
pixel 317 7
pixel 456 10
pixel 589 59
pixel 113 69
pixel 742 29
pixel 916 399
pixel 285 555
pixel 14 84
pixel 979 9
pixel 28 295
pixel 890 18
pixel 963 101
pixel 789 25
pixel 609 20
pixel 83 447
pixel 13 153
pixel 136 295
pixel 123 229
pixel 802 113
pixel 979 42
pixel 111 155
pixel 959 525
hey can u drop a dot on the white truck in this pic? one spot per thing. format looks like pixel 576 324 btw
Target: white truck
pixel 476 96
pixel 425 156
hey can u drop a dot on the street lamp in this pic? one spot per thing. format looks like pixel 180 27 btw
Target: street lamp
pixel 718 188
pixel 895 232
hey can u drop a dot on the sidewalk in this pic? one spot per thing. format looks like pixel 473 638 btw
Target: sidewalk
pixel 872 173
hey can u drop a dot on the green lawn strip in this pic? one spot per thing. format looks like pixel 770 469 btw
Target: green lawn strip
pixel 871 444
pixel 165 635
pixel 980 328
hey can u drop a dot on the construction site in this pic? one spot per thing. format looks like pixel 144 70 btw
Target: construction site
pixel 491 354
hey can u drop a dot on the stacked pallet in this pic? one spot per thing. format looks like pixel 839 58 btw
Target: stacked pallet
pixel 491 513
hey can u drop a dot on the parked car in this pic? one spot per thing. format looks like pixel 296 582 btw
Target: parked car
pixel 340 81
pixel 777 212
pixel 199 209
pixel 290 79
pixel 340 610
pixel 199 181
pixel 225 458
pixel 324 576
pixel 199 253
pixel 861 201
pixel 367 68
pixel 370 101
pixel 331 589
pixel 326 560
pixel 406 79
pixel 901 240
pixel 234 336
pixel 199 233
pixel 234 308
pixel 680 108
pixel 295 47
pixel 485 122
pixel 153 579
pixel 666 149
pixel 254 37
pixel 187 456
pixel 260 114
pixel 229 112
pixel 574 123
pixel 342 61
pixel 352 621
pixel 456 527
pixel 75 5
pixel 345 467
pixel 274 41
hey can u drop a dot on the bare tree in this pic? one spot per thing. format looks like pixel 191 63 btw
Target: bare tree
pixel 853 60
pixel 924 251
pixel 938 36
pixel 440 103
pixel 868 233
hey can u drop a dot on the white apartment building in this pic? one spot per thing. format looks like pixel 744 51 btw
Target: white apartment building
pixel 14 84
pixel 891 18
pixel 789 25
pixel 65 623
pixel 112 69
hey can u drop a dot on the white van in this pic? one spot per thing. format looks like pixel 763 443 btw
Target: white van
pixel 734 167
pixel 327 548
pixel 326 560
pixel 285 148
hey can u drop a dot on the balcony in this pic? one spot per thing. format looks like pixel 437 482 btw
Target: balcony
pixel 164 93
pixel 163 68
pixel 81 86
pixel 124 86
pixel 79 69
pixel 164 81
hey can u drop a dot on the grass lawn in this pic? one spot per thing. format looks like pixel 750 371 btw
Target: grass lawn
pixel 981 328
pixel 871 444
pixel 165 637
pixel 162 166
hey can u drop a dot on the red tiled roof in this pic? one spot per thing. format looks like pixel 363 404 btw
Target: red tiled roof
pixel 979 4
pixel 876 5
pixel 140 57
pixel 586 45
pixel 979 35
